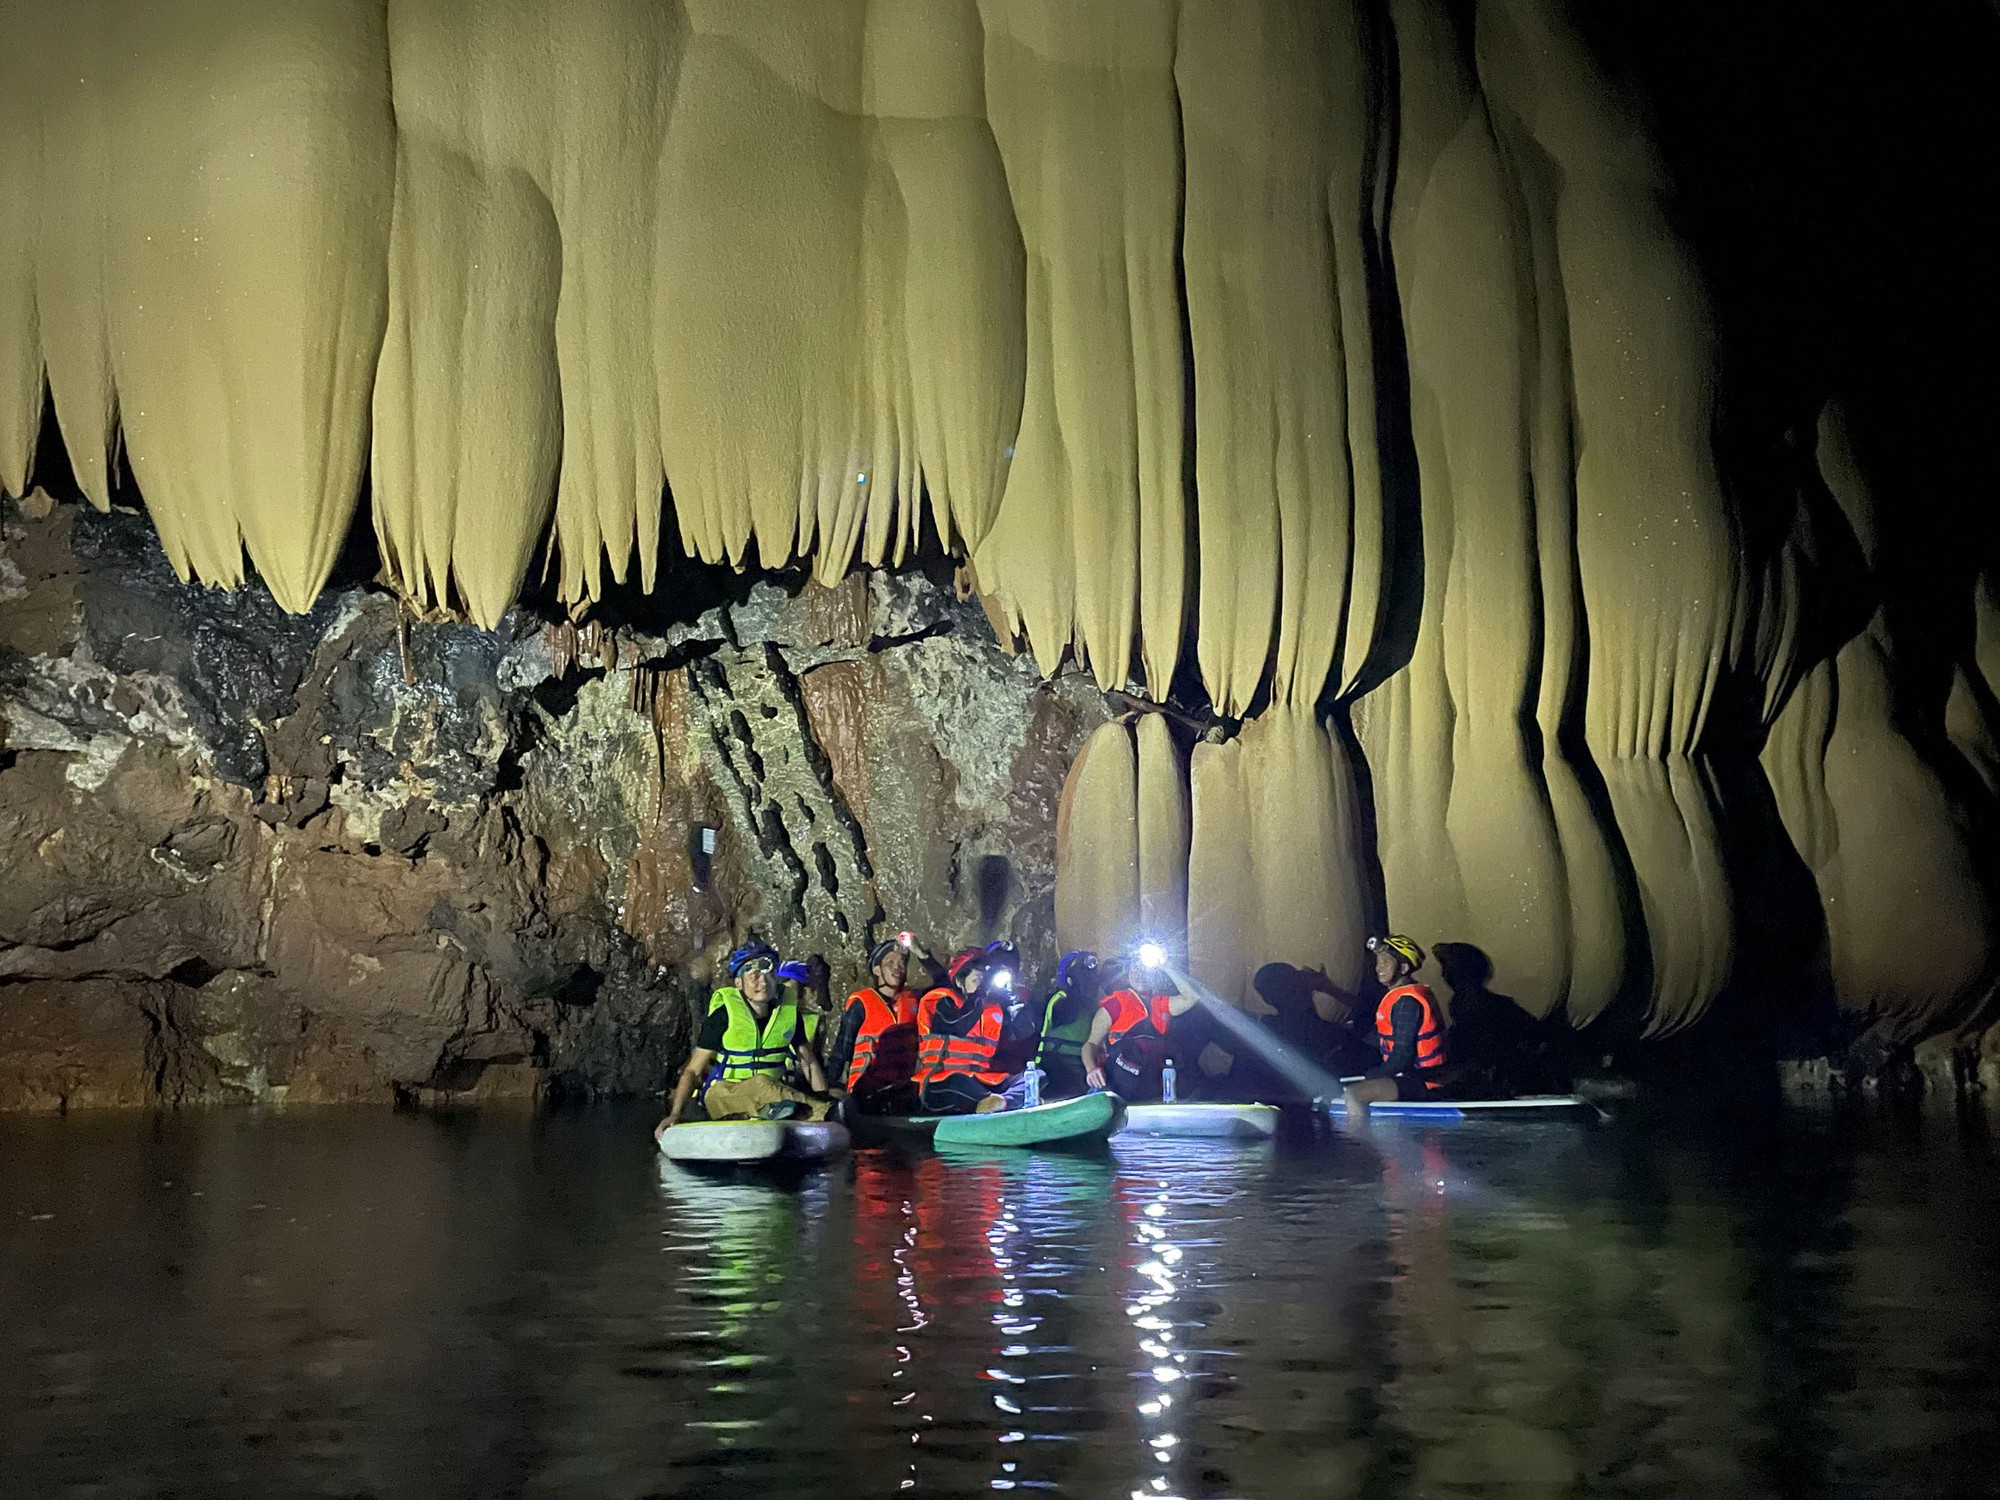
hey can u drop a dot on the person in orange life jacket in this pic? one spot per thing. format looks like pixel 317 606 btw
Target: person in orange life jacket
pixel 1128 1035
pixel 1409 1030
pixel 744 1047
pixel 873 1055
pixel 960 1026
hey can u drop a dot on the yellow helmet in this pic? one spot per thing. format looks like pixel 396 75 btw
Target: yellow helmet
pixel 1399 945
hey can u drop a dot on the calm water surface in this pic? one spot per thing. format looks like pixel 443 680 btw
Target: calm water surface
pixel 362 1304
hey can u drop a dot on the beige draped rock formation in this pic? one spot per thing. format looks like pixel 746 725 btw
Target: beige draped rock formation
pixel 1122 831
pixel 1340 371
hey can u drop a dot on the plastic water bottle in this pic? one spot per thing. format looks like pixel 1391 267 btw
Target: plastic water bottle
pixel 1034 1095
pixel 1167 1082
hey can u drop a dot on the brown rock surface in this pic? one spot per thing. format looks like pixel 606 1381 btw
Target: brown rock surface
pixel 376 858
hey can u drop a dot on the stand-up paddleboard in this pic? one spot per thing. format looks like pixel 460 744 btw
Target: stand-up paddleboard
pixel 748 1142
pixel 1070 1122
pixel 1211 1121
pixel 1533 1107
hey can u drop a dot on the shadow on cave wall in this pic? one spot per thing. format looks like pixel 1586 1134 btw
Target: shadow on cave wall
pixel 1496 1048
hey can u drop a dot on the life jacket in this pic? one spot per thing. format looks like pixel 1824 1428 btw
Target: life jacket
pixel 1430 1031
pixel 1062 1042
pixel 885 1046
pixel 750 1050
pixel 1129 1011
pixel 939 1054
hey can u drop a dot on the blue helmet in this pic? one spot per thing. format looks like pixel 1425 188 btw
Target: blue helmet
pixel 1077 965
pixel 741 958
pixel 795 970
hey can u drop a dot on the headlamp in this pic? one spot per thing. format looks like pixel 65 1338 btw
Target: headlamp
pixel 1152 955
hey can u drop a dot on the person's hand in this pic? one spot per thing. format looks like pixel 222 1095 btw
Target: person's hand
pixel 1095 1078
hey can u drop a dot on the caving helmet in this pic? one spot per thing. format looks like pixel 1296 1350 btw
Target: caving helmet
pixel 963 961
pixel 1075 968
pixel 754 951
pixel 796 970
pixel 1399 945
pixel 1003 961
pixel 882 950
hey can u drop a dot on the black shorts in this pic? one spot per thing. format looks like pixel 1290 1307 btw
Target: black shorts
pixel 953 1094
pixel 1411 1088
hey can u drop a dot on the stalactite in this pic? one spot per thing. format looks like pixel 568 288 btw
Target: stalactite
pixel 1088 548
pixel 20 192
pixel 1275 103
pixel 1276 867
pixel 1097 845
pixel 1894 853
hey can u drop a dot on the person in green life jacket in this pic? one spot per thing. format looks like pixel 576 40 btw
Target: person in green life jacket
pixel 1066 1021
pixel 748 1041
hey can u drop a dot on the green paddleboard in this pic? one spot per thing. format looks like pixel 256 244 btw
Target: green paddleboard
pixel 1068 1123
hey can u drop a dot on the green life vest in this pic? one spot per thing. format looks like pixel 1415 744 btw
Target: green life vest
pixel 749 1051
pixel 1064 1043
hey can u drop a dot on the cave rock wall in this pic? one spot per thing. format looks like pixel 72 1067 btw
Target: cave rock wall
pixel 351 854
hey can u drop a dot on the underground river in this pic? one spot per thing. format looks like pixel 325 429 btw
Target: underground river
pixel 488 1303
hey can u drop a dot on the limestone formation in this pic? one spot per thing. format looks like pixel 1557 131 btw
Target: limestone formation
pixel 352 855
pixel 1347 380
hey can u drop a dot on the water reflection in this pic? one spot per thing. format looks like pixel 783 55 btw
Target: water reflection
pixel 362 1304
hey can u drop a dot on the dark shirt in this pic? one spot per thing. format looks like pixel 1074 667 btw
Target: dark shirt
pixel 842 1051
pixel 1406 1019
pixel 849 1033
pixel 956 1015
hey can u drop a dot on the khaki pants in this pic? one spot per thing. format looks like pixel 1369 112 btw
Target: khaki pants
pixel 741 1098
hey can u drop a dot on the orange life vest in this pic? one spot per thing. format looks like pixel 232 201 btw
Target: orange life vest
pixel 1128 1010
pixel 885 1047
pixel 939 1054
pixel 1430 1031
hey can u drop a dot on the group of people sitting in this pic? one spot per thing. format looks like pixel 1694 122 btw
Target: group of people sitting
pixel 966 1036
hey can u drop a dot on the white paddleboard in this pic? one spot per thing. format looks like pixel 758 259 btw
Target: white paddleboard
pixel 1534 1106
pixel 1211 1121
pixel 749 1141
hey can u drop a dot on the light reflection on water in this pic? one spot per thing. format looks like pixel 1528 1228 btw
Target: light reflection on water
pixel 360 1304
